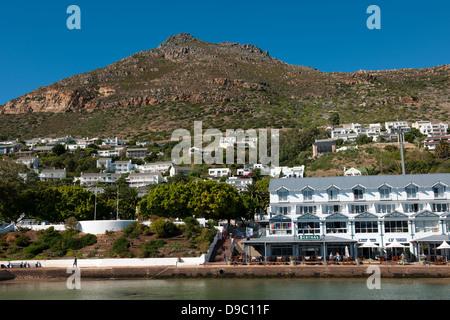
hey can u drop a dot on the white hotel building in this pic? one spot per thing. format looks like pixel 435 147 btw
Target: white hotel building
pixel 319 216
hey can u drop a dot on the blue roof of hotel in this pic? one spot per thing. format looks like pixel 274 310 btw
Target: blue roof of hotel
pixel 370 182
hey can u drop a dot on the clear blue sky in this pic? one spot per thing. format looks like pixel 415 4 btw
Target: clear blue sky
pixel 38 49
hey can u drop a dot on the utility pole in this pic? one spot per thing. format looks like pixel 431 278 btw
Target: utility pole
pixel 95 206
pixel 401 140
pixel 117 218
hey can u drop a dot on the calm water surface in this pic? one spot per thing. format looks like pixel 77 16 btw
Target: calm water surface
pixel 228 289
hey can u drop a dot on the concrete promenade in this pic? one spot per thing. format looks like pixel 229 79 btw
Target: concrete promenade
pixel 225 271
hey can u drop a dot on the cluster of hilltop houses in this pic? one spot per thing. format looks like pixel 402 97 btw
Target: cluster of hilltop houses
pixel 349 132
pixel 434 132
pixel 138 174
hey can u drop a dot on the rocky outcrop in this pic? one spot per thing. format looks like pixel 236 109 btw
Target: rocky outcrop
pixel 52 100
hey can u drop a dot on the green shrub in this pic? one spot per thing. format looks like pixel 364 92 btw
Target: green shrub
pixel 33 249
pixel 88 240
pixel 71 223
pixel 22 241
pixel 121 246
pixel 149 249
pixel 164 229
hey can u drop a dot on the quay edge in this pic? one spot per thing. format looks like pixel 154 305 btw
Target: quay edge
pixel 225 271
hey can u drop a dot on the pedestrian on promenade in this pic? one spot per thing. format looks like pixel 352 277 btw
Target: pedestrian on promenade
pixel 75 264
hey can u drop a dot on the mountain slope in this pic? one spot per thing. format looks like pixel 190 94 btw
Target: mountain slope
pixel 225 84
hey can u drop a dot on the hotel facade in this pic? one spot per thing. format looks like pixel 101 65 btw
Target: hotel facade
pixel 319 216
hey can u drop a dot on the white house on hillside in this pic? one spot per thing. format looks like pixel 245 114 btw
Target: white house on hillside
pixel 219 172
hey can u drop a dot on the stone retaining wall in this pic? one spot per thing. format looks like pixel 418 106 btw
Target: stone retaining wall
pixel 209 271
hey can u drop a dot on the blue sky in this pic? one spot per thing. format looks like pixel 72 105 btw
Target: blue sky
pixel 38 49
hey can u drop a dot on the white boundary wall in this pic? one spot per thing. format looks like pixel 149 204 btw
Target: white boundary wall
pixel 86 226
pixel 101 226
pixel 119 262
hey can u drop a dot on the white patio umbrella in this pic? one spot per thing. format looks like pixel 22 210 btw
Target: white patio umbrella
pixel 395 244
pixel 443 246
pixel 346 252
pixel 371 245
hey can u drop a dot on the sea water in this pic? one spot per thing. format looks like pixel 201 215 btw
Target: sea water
pixel 227 289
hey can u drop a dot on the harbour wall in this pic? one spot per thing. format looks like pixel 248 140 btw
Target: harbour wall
pixel 225 271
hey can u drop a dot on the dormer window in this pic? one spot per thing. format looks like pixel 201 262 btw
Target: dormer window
pixel 333 193
pixel 358 193
pixel 308 194
pixel 385 192
pixel 411 192
pixel 439 191
pixel 283 195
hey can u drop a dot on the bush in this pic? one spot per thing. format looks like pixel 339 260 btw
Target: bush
pixel 88 240
pixel 135 229
pixel 164 228
pixel 121 246
pixel 71 223
pixel 33 249
pixel 22 241
pixel 149 249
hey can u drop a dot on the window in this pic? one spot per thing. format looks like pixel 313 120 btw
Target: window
pixel 337 227
pixel 358 208
pixel 396 226
pixel 308 228
pixel 308 209
pixel 385 192
pixel 411 192
pixel 413 207
pixel 282 210
pixel 439 191
pixel 330 209
pixel 308 195
pixel 280 228
pixel 427 225
pixel 333 194
pixel 440 207
pixel 385 208
pixel 366 227
pixel 282 195
pixel 358 193
pixel 280 250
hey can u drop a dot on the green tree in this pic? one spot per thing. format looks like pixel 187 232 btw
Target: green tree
pixel 335 119
pixel 12 186
pixel 76 202
pixel 58 149
pixel 294 142
pixel 363 139
pixel 42 204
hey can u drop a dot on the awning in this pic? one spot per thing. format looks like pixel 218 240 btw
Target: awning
pixel 433 238
pixel 298 240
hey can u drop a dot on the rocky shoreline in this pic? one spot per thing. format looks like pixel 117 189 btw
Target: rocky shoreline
pixel 215 271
